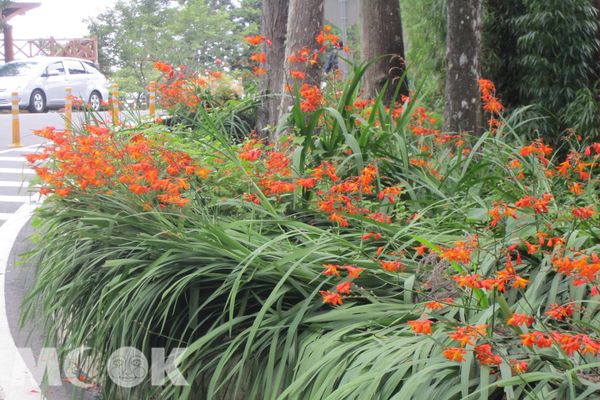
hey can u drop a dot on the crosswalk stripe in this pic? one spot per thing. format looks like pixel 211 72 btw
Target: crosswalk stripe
pixel 12 159
pixel 17 171
pixel 28 149
pixel 5 216
pixel 16 184
pixel 14 199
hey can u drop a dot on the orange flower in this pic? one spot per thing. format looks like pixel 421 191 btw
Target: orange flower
pixel 560 312
pixel 484 354
pixel 519 282
pixel 297 74
pixel 332 298
pixel 380 217
pixel 434 305
pixel 258 71
pixel 311 97
pixel 421 249
pixel 519 367
pixel 390 193
pixel 421 326
pixel 520 319
pixel 259 58
pixel 361 104
pixel 255 40
pixel 306 183
pixel 353 272
pixel 583 212
pixel 576 188
pixel 344 288
pixel 468 335
pixel 163 67
pixel 391 266
pixel 331 269
pixel 535 339
pixel 339 219
pixel 251 198
pixel 455 353
pixel 251 155
pixel 532 248
pixel 325 169
pixel 461 253
pixel 138 189
pixel 371 235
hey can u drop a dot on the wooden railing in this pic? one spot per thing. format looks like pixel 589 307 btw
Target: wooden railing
pixel 80 48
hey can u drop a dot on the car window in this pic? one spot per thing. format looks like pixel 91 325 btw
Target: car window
pixel 56 68
pixel 18 68
pixel 74 67
pixel 91 68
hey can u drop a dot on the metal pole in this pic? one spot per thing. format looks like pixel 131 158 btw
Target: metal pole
pixel 16 126
pixel 115 104
pixel 344 19
pixel 68 109
pixel 152 100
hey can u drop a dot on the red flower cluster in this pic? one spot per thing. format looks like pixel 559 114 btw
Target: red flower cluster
pixel 255 40
pixel 460 253
pixel 539 205
pixel 539 149
pixel 422 326
pixel 569 343
pixel 334 297
pixel 311 98
pixel 97 161
pixel 491 103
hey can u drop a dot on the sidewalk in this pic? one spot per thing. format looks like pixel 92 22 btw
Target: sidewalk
pixel 18 369
pixel 17 203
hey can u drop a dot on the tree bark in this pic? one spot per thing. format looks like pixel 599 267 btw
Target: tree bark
pixel 274 27
pixel 381 27
pixel 463 47
pixel 596 76
pixel 305 21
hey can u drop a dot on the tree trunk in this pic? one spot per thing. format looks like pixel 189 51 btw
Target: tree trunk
pixel 463 103
pixel 596 76
pixel 381 27
pixel 274 26
pixel 305 21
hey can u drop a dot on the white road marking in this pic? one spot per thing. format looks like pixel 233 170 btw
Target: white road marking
pixel 28 171
pixel 16 380
pixel 5 216
pixel 13 159
pixel 16 184
pixel 15 199
pixel 26 149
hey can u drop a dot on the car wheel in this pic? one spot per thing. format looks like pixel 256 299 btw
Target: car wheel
pixel 95 101
pixel 37 102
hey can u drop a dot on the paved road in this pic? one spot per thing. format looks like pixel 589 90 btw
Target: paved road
pixel 30 122
pixel 19 379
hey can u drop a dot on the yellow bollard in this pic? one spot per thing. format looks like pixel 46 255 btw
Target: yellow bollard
pixel 16 126
pixel 152 100
pixel 115 104
pixel 68 109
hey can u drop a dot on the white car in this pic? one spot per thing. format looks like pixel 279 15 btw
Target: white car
pixel 41 83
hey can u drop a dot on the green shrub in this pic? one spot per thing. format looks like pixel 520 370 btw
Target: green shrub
pixel 346 263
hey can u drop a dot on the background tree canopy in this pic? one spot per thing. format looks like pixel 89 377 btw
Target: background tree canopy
pixel 135 33
pixel 531 49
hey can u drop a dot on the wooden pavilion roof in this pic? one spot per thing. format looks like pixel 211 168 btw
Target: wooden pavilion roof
pixel 14 9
